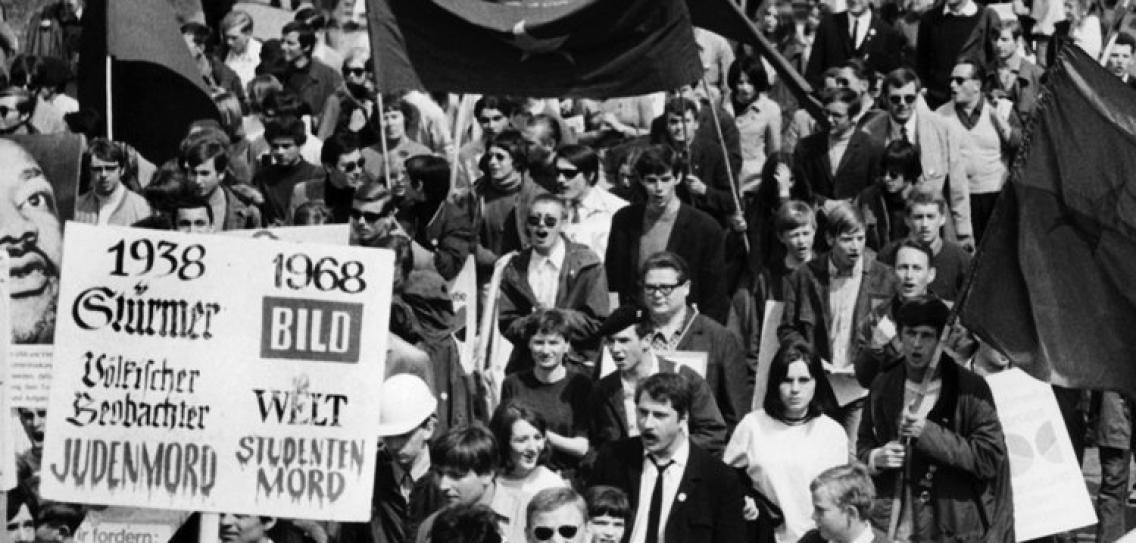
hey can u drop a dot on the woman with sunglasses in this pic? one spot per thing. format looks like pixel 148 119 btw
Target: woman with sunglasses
pixel 549 387
pixel 352 107
pixel 884 204
pixel 787 443
pixel 522 436
pixel 553 273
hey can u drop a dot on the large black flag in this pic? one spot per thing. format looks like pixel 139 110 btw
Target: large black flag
pixel 1053 284
pixel 538 48
pixel 156 88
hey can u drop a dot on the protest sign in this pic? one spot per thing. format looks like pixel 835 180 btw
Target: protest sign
pixel 1042 463
pixel 695 360
pixel 463 291
pixel 47 167
pixel 771 319
pixel 7 437
pixel 328 234
pixel 133 524
pixel 218 374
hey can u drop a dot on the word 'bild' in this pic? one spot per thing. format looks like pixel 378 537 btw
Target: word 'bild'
pixel 302 329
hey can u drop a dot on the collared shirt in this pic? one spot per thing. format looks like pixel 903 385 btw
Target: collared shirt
pixel 969 10
pixel 592 224
pixel 406 479
pixel 861 25
pixel 968 120
pixel 866 536
pixel 666 338
pixel 109 204
pixel 671 479
pixel 244 64
pixel 909 127
pixel 544 274
pixel 650 366
pixel 842 293
pixel 836 148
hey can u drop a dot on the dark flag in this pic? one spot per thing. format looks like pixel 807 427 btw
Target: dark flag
pixel 537 48
pixel 156 88
pixel 1055 274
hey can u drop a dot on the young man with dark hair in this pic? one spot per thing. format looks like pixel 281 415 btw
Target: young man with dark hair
pixel 664 223
pixel 493 114
pixel 311 79
pixel 278 180
pixel 677 491
pixel 205 162
pixel 1014 76
pixel 626 334
pixel 957 483
pixel 441 230
pixel 926 215
pixel 608 511
pixel 57 522
pixel 590 207
pixel 957 29
pixel 109 201
pixel 465 461
pixel 841 161
pixel 343 163
pixel 705 182
pixel 828 298
pixel 372 214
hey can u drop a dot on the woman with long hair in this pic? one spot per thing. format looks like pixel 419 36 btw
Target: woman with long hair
pixel 787 443
pixel 522 436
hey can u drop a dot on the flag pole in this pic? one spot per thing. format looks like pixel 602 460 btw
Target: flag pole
pixel 383 131
pixel 109 100
pixel 726 159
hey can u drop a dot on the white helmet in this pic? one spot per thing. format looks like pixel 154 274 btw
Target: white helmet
pixel 405 401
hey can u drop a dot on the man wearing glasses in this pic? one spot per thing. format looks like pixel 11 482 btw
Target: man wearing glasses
pixel 372 215
pixel 940 148
pixel 557 515
pixel 109 201
pixel 664 223
pixel 553 273
pixel 343 162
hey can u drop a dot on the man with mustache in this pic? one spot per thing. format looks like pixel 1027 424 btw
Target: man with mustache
pixel 678 492
pixel 829 297
pixel 31 232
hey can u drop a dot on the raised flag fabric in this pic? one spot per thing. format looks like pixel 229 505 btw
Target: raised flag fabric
pixel 1053 283
pixel 536 48
pixel 155 87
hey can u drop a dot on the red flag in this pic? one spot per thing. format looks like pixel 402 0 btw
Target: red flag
pixel 1054 276
pixel 538 48
pixel 157 90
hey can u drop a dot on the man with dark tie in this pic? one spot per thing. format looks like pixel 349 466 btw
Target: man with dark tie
pixel 677 491
pixel 858 33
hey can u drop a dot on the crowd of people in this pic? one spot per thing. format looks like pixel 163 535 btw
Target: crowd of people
pixel 626 252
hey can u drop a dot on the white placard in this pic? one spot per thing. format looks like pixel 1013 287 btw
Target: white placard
pixel 328 234
pixel 695 360
pixel 219 374
pixel 771 319
pixel 1049 489
pixel 463 292
pixel 7 430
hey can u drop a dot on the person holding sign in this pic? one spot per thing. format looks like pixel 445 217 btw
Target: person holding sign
pixel 678 330
pixel 957 483
pixel 613 415
pixel 783 446
pixel 553 273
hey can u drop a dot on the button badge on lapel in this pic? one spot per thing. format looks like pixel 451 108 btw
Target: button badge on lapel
pixel 681 497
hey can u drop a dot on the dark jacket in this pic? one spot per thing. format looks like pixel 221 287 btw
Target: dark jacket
pixel 609 419
pixel 581 293
pixel 807 313
pixel 241 211
pixel 707 506
pixel 881 50
pixel 314 83
pixel 696 238
pixel 1025 91
pixel 446 230
pixel 727 373
pixel 393 518
pixel 959 461
pixel 933 46
pixel 859 166
pixel 882 224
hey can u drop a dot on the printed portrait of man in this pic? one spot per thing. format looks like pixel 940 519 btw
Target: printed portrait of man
pixel 32 233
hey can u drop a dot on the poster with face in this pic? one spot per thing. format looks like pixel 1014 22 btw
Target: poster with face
pixel 7 430
pixel 216 373
pixel 38 181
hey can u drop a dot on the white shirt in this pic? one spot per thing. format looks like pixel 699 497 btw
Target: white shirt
pixel 650 367
pixel 109 204
pixel 544 274
pixel 861 24
pixel 842 294
pixel 245 64
pixel 671 478
pixel 969 10
pixel 592 225
pixel 866 536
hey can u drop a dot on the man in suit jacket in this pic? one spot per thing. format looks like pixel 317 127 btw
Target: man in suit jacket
pixel 828 298
pixel 707 184
pixel 877 43
pixel 856 156
pixel 661 223
pixel 678 492
pixel 613 418
pixel 940 153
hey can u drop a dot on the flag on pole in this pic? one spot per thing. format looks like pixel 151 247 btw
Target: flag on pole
pixel 1053 284
pixel 536 48
pixel 155 87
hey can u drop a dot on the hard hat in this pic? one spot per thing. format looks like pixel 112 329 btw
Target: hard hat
pixel 405 401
